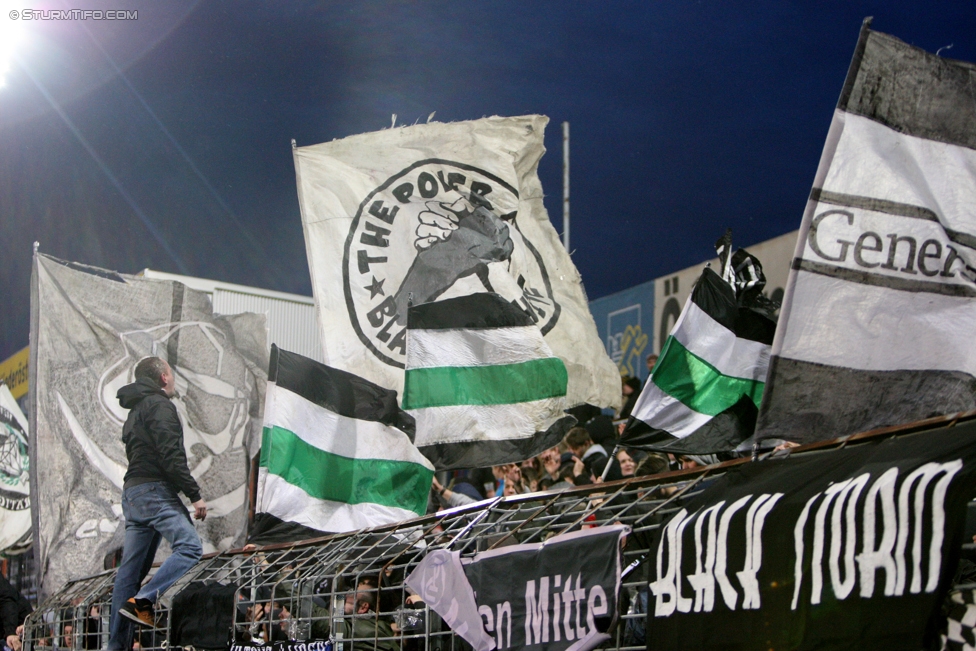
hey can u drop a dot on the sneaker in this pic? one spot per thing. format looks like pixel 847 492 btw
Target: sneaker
pixel 137 613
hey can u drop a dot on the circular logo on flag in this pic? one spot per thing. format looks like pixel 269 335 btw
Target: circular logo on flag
pixel 438 228
pixel 13 463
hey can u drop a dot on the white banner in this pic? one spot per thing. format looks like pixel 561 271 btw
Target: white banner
pixel 410 215
pixel 15 514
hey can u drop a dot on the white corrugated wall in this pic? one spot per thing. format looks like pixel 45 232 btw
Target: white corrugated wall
pixel 291 324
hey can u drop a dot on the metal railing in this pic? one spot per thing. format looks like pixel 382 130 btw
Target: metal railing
pixel 311 590
pixel 299 591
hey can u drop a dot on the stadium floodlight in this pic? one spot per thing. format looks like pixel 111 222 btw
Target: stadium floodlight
pixel 11 36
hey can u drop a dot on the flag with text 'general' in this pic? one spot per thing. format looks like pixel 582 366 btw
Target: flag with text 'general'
pixel 337 454
pixel 880 306
pixel 849 548
pixel 704 392
pixel 482 383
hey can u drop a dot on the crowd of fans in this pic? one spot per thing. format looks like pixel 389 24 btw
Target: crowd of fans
pixel 590 453
pixel 292 607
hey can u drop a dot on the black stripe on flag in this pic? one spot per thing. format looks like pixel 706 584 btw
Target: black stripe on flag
pixel 723 433
pixel 881 280
pixel 890 208
pixel 471 312
pixel 482 454
pixel 340 392
pixel 268 529
pixel 717 299
pixel 821 401
pixel 911 91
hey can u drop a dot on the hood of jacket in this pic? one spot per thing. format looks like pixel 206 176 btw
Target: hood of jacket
pixel 130 395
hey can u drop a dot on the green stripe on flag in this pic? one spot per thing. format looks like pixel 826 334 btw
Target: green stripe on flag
pixel 327 476
pixel 699 385
pixel 498 384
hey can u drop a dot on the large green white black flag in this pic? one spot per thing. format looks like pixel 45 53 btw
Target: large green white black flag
pixel 337 454
pixel 482 383
pixel 558 595
pixel 879 313
pixel 415 214
pixel 704 392
pixel 15 513
pixel 853 548
pixel 89 328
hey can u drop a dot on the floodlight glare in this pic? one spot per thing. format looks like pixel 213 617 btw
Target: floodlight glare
pixel 11 35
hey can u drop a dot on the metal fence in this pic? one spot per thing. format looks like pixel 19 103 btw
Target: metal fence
pixel 303 591
pixel 300 591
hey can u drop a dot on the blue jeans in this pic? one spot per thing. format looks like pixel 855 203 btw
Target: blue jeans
pixel 152 511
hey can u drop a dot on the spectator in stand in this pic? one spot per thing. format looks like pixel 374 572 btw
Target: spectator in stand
pixel 531 478
pixel 514 481
pixel 509 477
pixel 591 455
pixel 602 432
pixel 652 464
pixel 631 391
pixel 462 493
pixel 363 626
pixel 499 474
pixel 651 361
pixel 691 461
pixel 584 413
pixel 550 462
pixel 531 463
pixel 14 609
pixel 627 463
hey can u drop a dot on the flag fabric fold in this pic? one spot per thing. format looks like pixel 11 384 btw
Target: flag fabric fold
pixel 431 211
pixel 704 392
pixel 89 329
pixel 482 383
pixel 336 455
pixel 879 312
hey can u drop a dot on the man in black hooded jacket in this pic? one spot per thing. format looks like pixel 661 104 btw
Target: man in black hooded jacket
pixel 157 472
pixel 14 609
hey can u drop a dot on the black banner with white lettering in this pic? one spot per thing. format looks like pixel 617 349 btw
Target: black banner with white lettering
pixel 852 548
pixel 560 595
pixel 285 646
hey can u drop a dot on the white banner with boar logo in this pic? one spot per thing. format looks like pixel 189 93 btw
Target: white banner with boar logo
pixel 410 215
pixel 89 328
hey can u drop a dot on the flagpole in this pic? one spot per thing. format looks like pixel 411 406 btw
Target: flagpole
pixel 566 186
pixel 606 468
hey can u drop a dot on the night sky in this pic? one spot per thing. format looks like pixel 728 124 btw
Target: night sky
pixel 164 142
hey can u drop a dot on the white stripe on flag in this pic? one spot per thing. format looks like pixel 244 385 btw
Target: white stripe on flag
pixel 329 431
pixel 717 345
pixel 661 411
pixel 292 504
pixel 485 347
pixel 878 329
pixel 876 161
pixel 485 422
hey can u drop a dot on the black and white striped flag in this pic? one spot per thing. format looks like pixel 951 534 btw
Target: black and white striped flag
pixel 878 318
